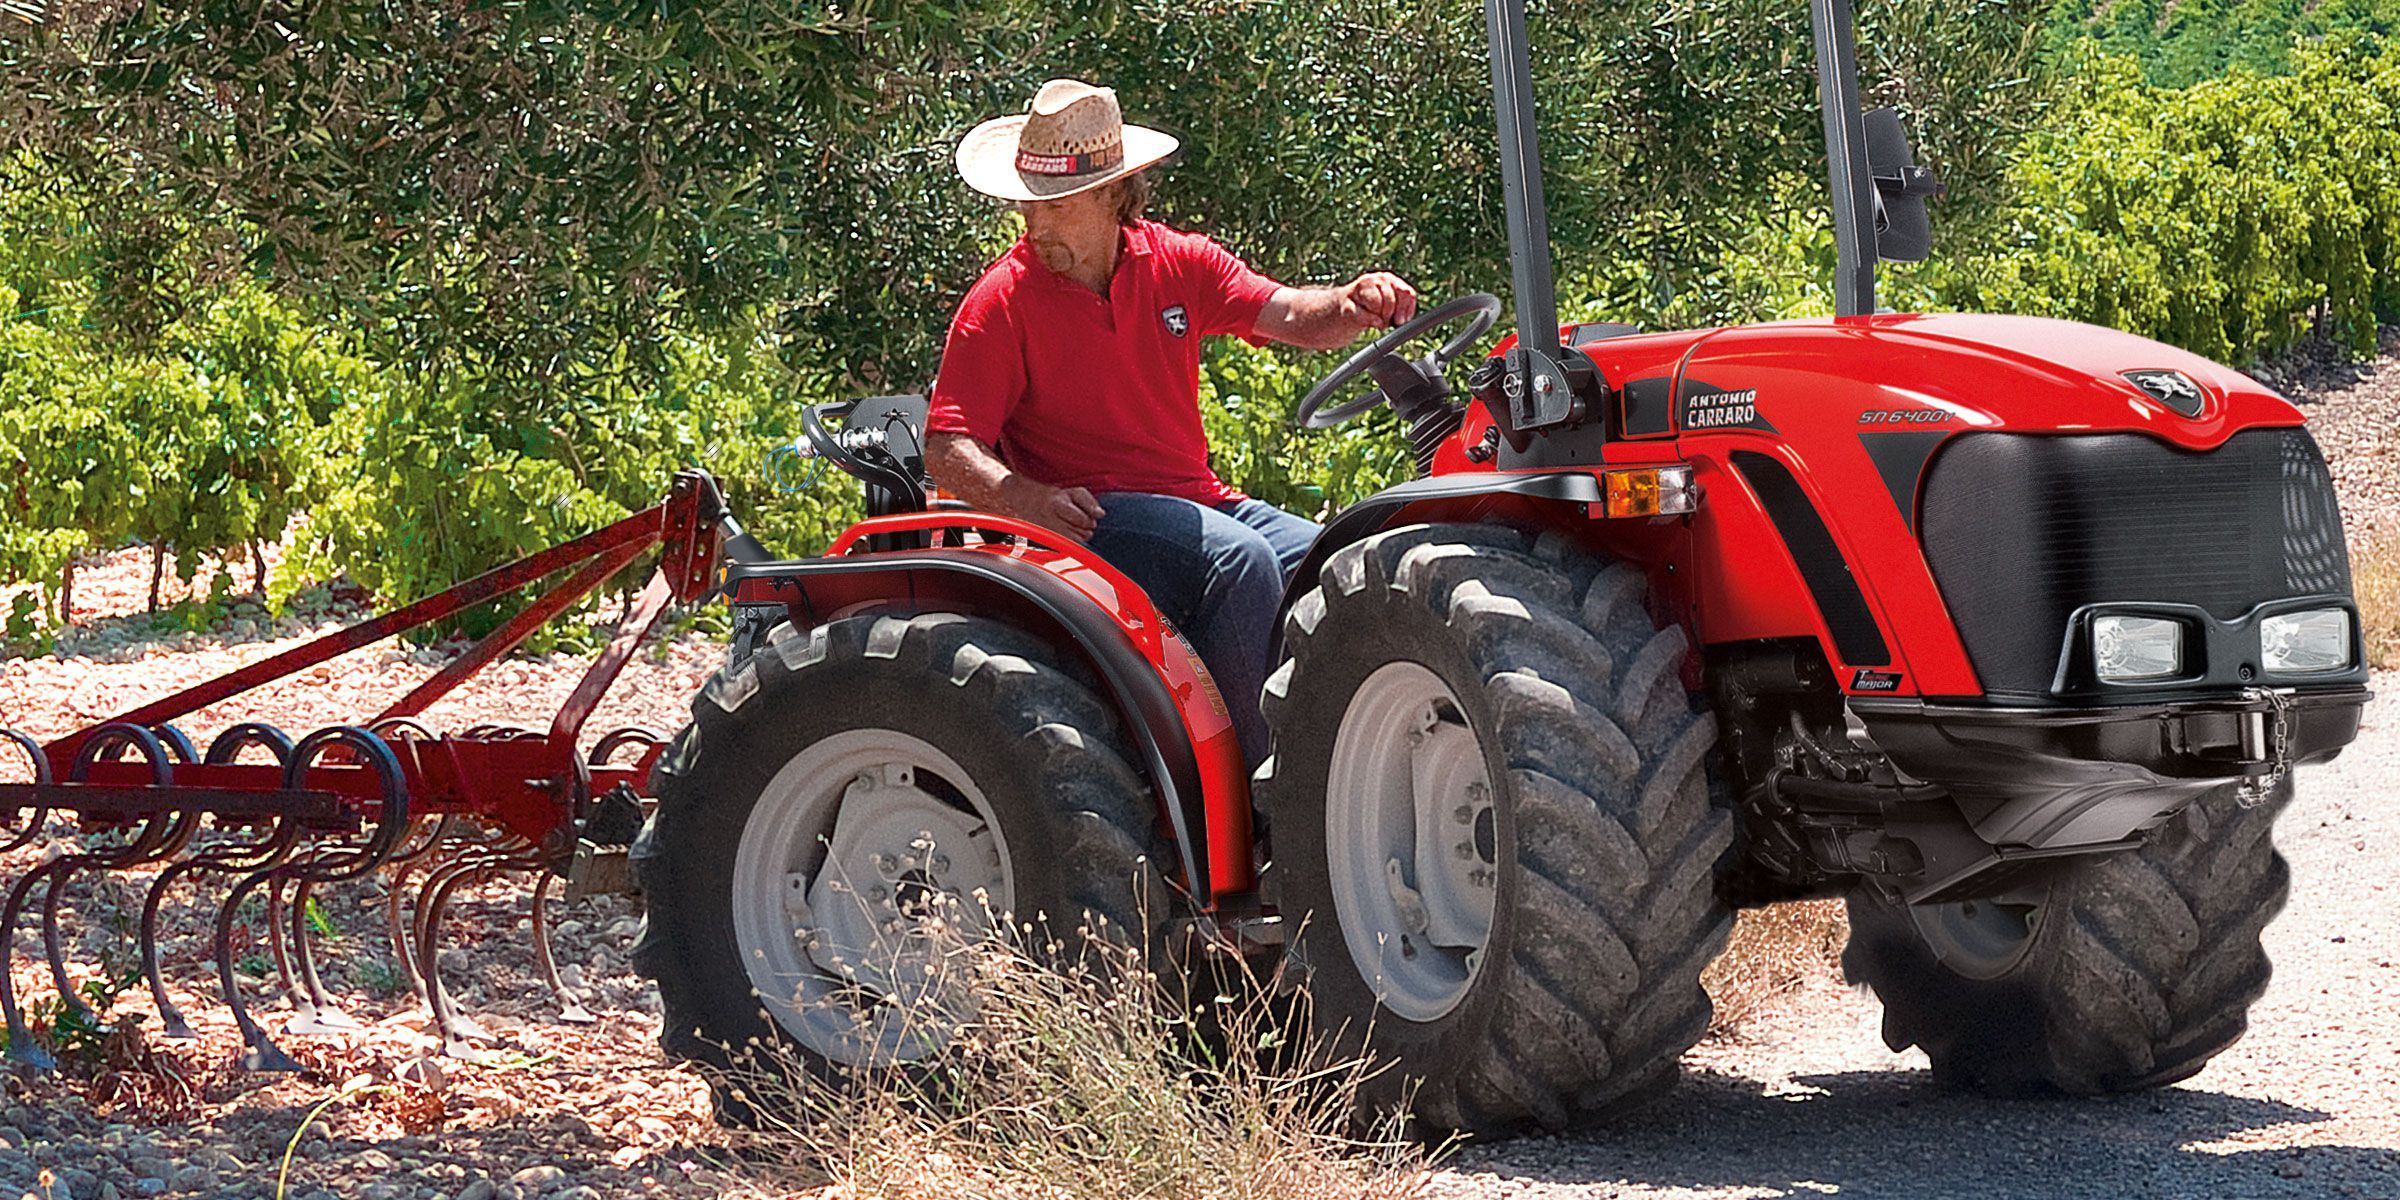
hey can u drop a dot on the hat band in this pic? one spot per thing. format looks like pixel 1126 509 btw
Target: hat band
pixel 1071 164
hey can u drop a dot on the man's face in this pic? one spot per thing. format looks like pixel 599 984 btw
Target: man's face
pixel 1079 211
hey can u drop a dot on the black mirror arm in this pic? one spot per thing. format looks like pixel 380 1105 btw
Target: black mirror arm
pixel 1919 181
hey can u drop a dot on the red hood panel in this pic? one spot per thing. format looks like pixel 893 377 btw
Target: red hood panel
pixel 2025 374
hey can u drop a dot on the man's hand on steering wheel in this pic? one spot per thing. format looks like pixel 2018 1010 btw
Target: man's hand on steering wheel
pixel 1393 375
pixel 1378 300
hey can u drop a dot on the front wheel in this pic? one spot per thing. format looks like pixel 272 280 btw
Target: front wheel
pixel 1494 841
pixel 2119 974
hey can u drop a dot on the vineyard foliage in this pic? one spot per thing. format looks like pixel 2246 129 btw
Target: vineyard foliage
pixel 2177 43
pixel 430 318
pixel 205 439
pixel 2232 218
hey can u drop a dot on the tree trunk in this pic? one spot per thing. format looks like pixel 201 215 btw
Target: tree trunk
pixel 258 566
pixel 66 593
pixel 158 570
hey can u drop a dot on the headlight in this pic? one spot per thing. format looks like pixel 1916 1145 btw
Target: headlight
pixel 2125 649
pixel 2301 642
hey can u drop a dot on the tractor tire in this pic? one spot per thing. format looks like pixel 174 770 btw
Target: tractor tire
pixel 979 728
pixel 1592 826
pixel 2136 969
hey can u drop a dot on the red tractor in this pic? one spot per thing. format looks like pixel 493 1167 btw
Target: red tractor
pixel 2009 631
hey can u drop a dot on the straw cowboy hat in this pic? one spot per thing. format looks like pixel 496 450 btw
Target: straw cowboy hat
pixel 1073 139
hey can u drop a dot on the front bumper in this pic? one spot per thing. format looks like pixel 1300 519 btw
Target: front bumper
pixel 2047 778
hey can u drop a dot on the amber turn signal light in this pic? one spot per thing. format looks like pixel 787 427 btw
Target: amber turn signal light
pixel 1651 492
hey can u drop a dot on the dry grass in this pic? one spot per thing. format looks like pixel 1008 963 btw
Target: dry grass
pixel 1773 951
pixel 1087 1083
pixel 2376 577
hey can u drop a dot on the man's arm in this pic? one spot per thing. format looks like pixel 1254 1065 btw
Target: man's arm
pixel 1332 317
pixel 968 469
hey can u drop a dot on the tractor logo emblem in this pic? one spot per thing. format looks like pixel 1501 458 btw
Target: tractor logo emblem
pixel 1706 406
pixel 1867 680
pixel 2171 388
pixel 1179 322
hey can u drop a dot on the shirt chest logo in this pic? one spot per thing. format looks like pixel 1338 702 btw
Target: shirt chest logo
pixel 1178 321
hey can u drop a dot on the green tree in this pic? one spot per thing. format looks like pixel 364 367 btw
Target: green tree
pixel 546 220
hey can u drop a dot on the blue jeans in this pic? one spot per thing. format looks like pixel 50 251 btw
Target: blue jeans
pixel 1217 574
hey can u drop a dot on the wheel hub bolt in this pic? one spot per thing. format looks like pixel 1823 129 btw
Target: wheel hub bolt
pixel 1465 814
pixel 1465 849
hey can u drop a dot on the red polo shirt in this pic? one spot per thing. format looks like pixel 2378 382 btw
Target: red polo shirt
pixel 1079 390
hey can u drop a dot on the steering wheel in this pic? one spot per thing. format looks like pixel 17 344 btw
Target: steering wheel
pixel 1395 376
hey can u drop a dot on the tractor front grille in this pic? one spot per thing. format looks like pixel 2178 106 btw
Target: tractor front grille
pixel 2022 530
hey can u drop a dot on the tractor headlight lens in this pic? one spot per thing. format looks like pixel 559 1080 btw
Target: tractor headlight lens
pixel 2301 642
pixel 2127 649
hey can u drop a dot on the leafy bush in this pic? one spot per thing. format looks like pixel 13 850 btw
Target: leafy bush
pixel 2230 218
pixel 208 442
pixel 2182 42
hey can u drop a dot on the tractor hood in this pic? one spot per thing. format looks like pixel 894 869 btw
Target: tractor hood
pixel 1955 489
pixel 1963 372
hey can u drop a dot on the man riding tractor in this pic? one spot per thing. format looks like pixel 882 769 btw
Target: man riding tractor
pixel 1069 393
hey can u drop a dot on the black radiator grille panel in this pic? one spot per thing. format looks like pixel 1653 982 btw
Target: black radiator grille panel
pixel 2021 530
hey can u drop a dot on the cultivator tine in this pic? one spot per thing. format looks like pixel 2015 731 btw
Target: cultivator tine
pixel 322 1014
pixel 177 742
pixel 246 856
pixel 277 952
pixel 41 777
pixel 150 845
pixel 268 850
pixel 457 1031
pixel 170 1018
pixel 395 904
pixel 628 735
pixel 502 852
pixel 52 949
pixel 20 1039
pixel 148 839
pixel 261 1053
pixel 570 1009
pixel 403 863
pixel 330 865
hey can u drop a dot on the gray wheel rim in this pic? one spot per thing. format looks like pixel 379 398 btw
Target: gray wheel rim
pixel 865 857
pixel 1980 939
pixel 1411 841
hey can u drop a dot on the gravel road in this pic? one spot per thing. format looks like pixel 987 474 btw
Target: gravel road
pixel 1808 1102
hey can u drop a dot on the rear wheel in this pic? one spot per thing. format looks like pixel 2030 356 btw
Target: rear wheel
pixel 837 790
pixel 2120 974
pixel 1495 845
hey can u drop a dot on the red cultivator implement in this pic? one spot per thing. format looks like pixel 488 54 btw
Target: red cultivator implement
pixel 284 816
